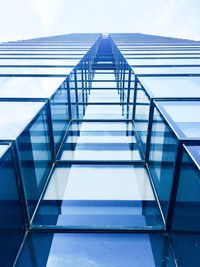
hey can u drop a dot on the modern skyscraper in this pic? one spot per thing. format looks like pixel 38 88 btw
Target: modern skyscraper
pixel 100 151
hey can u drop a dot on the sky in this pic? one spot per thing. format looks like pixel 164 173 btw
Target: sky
pixel 23 19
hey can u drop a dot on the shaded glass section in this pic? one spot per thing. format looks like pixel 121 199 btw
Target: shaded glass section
pixel 141 118
pixel 186 210
pixel 35 157
pixel 186 248
pixel 11 215
pixel 76 250
pixel 59 105
pixel 41 88
pixel 163 149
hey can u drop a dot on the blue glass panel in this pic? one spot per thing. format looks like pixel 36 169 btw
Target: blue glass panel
pixel 142 115
pixel 163 151
pixel 11 215
pixel 186 211
pixel 63 250
pixel 157 62
pixel 60 114
pixel 184 116
pixel 99 196
pixel 187 249
pixel 35 157
pixel 104 141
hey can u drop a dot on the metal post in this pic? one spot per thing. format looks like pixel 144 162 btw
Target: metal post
pixel 135 98
pixel 69 98
pixel 51 133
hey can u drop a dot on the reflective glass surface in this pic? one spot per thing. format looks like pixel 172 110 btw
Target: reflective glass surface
pixel 29 87
pixel 186 248
pixel 60 108
pixel 96 250
pixel 101 141
pixel 15 118
pixel 163 149
pixel 186 210
pixel 99 196
pixel 185 116
pixel 79 167
pixel 11 213
pixel 172 86
pixel 35 157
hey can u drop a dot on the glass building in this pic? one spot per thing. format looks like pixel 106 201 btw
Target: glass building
pixel 100 151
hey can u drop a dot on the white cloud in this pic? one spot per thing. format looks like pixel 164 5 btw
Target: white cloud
pixel 48 11
pixel 75 260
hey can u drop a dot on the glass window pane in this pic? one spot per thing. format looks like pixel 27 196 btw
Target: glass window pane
pixel 29 87
pixel 12 227
pixel 172 86
pixel 96 250
pixel 99 196
pixel 16 118
pixel 35 157
pixel 162 156
pixel 186 211
pixel 185 117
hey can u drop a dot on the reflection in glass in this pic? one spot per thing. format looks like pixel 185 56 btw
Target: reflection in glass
pixel 11 214
pixel 35 158
pixel 101 141
pixel 163 151
pixel 99 196
pixel 186 211
pixel 87 250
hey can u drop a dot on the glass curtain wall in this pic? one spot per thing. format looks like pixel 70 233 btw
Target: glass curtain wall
pixel 99 151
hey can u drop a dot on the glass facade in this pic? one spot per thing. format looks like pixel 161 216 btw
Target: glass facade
pixel 100 151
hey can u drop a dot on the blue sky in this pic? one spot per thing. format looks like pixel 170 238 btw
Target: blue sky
pixel 22 19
